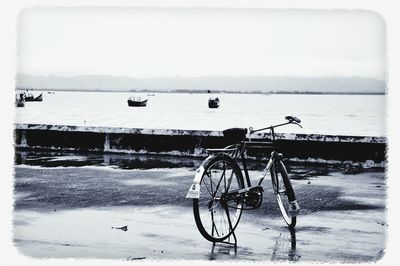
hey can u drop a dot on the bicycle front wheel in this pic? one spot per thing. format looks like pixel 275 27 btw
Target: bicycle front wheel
pixel 283 191
pixel 216 219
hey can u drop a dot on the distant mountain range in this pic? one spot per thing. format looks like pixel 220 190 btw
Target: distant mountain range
pixel 254 84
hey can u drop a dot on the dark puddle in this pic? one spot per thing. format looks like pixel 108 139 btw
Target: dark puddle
pixel 305 174
pixel 356 168
pixel 297 170
pixel 320 229
pixel 43 242
pixel 120 161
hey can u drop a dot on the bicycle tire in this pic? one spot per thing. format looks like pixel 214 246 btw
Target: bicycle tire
pixel 208 206
pixel 283 191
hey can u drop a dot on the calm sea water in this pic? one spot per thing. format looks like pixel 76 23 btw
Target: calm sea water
pixel 362 115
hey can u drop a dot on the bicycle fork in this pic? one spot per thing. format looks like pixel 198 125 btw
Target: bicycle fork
pixel 294 208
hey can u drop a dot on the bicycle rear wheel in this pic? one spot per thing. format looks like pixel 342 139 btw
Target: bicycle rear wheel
pixel 283 191
pixel 217 220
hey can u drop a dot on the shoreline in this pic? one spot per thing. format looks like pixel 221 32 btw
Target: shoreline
pixel 205 91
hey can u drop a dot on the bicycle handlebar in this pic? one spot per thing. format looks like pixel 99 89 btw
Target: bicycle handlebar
pixel 291 120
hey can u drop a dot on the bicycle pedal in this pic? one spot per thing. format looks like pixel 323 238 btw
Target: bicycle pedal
pixel 294 208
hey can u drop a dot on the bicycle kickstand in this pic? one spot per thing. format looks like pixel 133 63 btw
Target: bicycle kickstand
pixel 234 244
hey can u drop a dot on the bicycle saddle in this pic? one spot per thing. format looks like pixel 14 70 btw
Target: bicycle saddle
pixel 235 134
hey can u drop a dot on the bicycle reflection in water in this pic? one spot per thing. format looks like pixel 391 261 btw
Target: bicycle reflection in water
pixel 283 250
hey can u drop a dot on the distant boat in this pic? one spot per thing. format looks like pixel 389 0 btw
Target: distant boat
pixel 213 102
pixel 151 94
pixel 137 102
pixel 29 97
pixel 20 99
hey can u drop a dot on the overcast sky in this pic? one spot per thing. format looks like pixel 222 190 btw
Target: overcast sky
pixel 143 43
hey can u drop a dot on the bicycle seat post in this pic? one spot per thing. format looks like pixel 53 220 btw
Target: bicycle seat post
pixel 273 133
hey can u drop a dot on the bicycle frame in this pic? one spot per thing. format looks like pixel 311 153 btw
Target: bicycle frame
pixel 239 151
pixel 236 150
pixel 247 186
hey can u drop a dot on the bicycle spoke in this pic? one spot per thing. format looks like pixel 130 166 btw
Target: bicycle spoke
pixel 219 182
pixel 224 178
pixel 204 203
pixel 213 224
pixel 208 189
pixel 213 206
pixel 225 219
pixel 230 180
pixel 221 219
pixel 212 183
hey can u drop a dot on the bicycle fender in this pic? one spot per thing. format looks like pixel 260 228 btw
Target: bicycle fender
pixel 194 190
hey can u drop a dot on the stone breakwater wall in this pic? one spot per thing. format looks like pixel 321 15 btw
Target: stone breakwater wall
pixel 309 147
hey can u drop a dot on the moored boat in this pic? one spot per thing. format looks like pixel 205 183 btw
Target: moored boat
pixel 137 102
pixel 20 99
pixel 213 102
pixel 29 97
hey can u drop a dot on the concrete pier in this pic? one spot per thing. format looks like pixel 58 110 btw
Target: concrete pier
pixel 311 147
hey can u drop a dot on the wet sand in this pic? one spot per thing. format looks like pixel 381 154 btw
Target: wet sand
pixel 66 207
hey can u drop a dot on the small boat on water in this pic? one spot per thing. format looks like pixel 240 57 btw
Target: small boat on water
pixel 20 99
pixel 137 102
pixel 29 97
pixel 213 102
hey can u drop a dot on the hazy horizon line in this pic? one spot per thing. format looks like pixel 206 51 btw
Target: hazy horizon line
pixel 200 76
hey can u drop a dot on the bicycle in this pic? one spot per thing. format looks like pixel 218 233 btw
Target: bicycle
pixel 220 193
